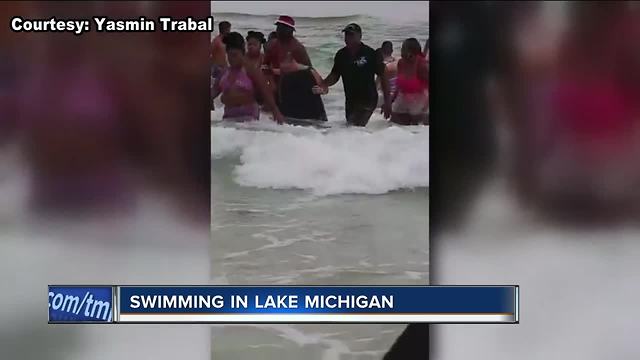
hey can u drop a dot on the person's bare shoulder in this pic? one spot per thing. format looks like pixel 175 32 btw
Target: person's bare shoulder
pixel 217 41
pixel 423 64
pixel 296 46
pixel 272 46
pixel 251 70
pixel 392 66
pixel 300 52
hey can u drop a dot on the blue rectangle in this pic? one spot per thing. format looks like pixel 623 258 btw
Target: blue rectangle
pixel 406 299
pixel 68 303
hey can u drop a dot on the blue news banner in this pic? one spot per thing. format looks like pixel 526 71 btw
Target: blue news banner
pixel 81 304
pixel 283 304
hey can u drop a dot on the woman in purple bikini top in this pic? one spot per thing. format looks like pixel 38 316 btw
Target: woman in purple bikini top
pixel 236 79
pixel 239 83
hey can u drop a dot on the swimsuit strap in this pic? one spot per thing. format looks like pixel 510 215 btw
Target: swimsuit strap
pixel 242 80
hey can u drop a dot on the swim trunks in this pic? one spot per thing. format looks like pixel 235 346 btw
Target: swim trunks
pixel 359 113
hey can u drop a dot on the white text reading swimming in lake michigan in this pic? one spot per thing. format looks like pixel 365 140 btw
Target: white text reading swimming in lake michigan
pixel 105 24
pixel 261 302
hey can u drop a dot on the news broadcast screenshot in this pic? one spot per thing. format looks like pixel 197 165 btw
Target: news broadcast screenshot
pixel 300 180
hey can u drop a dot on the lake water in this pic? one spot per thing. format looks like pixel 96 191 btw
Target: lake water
pixel 303 206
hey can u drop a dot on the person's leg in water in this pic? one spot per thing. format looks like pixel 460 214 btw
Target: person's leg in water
pixel 421 118
pixel 425 116
pixel 359 114
pixel 402 119
pixel 424 120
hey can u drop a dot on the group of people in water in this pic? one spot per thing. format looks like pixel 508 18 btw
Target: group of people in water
pixel 251 72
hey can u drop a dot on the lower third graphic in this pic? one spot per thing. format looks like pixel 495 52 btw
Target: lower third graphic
pixel 80 304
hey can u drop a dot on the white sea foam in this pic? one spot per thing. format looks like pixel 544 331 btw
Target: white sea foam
pixel 326 162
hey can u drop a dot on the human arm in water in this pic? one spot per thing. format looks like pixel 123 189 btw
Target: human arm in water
pixel 318 89
pixel 399 68
pixel 423 71
pixel 267 74
pixel 258 80
pixel 290 64
pixel 384 83
pixel 268 62
pixel 296 58
pixel 275 71
pixel 391 69
pixel 333 76
pixel 216 89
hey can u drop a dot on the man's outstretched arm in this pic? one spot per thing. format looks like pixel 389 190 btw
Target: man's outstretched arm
pixel 334 75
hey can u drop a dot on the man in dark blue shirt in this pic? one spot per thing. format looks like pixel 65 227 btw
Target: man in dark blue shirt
pixel 358 64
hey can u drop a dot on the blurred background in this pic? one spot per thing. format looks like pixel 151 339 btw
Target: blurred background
pixel 535 115
pixel 533 181
pixel 104 174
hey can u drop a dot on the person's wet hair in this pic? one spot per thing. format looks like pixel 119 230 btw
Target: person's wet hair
pixel 387 48
pixel 234 40
pixel 273 35
pixel 413 46
pixel 224 26
pixel 256 35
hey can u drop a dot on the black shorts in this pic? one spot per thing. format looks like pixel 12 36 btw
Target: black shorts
pixel 358 113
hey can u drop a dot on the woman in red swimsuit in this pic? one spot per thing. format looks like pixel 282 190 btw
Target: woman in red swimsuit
pixel 593 147
pixel 411 100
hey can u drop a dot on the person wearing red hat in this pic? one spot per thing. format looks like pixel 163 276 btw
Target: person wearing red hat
pixel 292 74
pixel 284 45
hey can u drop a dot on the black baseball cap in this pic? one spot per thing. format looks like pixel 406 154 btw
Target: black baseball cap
pixel 353 28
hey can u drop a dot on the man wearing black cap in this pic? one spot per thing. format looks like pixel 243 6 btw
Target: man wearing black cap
pixel 358 64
